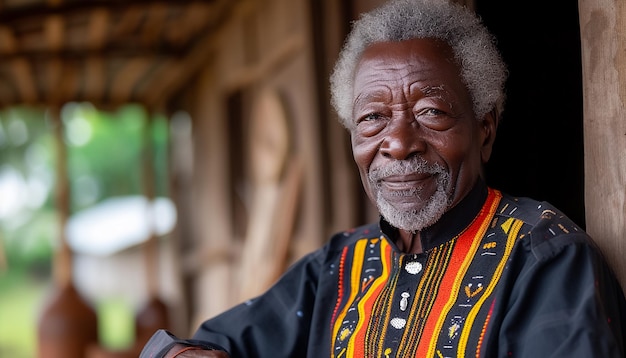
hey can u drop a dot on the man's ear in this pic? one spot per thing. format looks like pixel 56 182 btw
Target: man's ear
pixel 489 125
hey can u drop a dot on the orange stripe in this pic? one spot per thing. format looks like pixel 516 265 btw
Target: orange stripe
pixel 462 256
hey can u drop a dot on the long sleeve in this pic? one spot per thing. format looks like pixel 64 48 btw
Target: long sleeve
pixel 561 300
pixel 275 324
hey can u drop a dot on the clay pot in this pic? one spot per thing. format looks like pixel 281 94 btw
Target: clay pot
pixel 152 317
pixel 68 325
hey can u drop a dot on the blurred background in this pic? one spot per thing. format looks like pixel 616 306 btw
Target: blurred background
pixel 161 161
pixel 108 220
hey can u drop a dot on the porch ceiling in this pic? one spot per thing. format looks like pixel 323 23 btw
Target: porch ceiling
pixel 107 52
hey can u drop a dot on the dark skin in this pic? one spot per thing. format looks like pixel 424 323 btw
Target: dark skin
pixel 182 351
pixel 409 100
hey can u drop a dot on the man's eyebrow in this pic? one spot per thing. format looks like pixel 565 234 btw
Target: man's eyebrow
pixel 434 91
pixel 365 98
pixel 439 92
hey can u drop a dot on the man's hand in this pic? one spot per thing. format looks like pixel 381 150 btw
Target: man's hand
pixel 163 344
pixel 182 351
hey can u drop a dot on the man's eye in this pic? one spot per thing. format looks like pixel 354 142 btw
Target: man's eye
pixel 371 117
pixel 430 112
pixel 435 119
pixel 370 124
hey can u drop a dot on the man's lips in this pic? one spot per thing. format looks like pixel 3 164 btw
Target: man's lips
pixel 405 181
pixel 406 177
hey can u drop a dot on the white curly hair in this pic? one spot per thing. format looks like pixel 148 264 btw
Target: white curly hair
pixel 482 69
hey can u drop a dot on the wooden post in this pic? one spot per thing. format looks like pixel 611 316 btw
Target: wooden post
pixel 603 39
pixel 68 326
pixel 151 249
pixel 62 269
pixel 154 314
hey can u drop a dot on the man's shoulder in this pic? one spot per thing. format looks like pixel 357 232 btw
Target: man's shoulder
pixel 546 229
pixel 528 210
pixel 350 236
pixel 340 240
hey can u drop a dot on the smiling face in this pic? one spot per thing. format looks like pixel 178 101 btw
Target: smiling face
pixel 417 144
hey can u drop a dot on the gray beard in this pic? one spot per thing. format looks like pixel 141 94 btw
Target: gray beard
pixel 413 220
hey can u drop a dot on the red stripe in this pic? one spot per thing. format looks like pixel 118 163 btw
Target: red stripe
pixel 482 332
pixel 460 252
pixel 339 289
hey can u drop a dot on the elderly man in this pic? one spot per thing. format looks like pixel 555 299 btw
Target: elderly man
pixel 454 268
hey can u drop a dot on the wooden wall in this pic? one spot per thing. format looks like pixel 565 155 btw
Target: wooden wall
pixel 266 66
pixel 603 36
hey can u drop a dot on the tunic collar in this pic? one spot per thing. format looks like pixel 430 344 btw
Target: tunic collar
pixel 451 224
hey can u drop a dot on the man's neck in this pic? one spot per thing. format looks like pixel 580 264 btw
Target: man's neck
pixel 409 242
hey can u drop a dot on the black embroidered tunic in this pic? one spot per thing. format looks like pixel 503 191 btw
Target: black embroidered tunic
pixel 499 277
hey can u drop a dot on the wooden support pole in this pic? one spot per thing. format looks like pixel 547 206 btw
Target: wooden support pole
pixel 151 249
pixel 155 313
pixel 63 257
pixel 68 326
pixel 603 39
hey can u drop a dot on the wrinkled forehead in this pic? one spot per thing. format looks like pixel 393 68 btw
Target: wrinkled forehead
pixel 416 47
pixel 398 55
pixel 413 64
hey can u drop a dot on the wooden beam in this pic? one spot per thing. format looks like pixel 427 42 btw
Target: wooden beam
pixel 192 20
pixel 94 80
pixel 154 26
pixel 8 44
pixel 97 30
pixel 8 93
pixel 129 21
pixel 54 32
pixel 178 72
pixel 109 50
pixel 603 40
pixel 24 80
pixel 70 83
pixel 52 80
pixel 16 14
pixel 125 80
pixel 137 29
pixel 158 87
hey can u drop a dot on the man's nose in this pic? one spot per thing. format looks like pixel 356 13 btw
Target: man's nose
pixel 403 138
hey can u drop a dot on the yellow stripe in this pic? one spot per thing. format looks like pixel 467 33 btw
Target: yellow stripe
pixel 370 290
pixel 359 249
pixel 461 274
pixel 469 322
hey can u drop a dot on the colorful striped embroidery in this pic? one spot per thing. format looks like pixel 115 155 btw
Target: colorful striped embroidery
pixel 433 304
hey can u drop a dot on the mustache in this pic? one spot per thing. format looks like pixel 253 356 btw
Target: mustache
pixel 414 165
